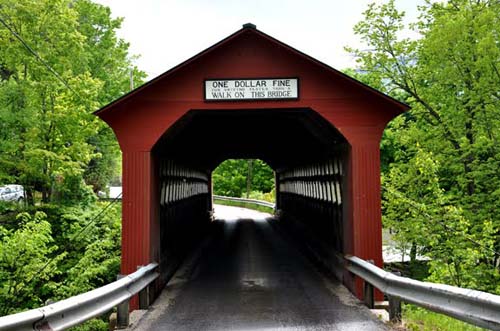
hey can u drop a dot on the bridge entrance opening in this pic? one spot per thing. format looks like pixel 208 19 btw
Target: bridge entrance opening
pixel 306 153
pixel 244 178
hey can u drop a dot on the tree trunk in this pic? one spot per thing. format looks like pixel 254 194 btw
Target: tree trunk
pixel 249 177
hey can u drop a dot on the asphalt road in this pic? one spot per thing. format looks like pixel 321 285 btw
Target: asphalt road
pixel 249 278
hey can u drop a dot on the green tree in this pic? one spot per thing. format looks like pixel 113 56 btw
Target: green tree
pixel 51 143
pixel 108 60
pixel 263 177
pixel 425 222
pixel 449 76
pixel 231 177
pixel 60 60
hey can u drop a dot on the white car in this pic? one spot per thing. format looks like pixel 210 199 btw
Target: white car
pixel 11 193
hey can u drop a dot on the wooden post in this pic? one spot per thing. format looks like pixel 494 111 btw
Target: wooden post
pixel 368 293
pixel 395 306
pixel 143 295
pixel 368 296
pixel 394 309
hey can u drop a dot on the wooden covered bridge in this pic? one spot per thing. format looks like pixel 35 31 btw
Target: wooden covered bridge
pixel 251 96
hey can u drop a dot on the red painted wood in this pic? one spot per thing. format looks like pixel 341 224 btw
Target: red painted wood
pixel 136 213
pixel 141 118
pixel 365 208
pixel 136 210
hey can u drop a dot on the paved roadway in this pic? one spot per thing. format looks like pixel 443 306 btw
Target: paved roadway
pixel 249 278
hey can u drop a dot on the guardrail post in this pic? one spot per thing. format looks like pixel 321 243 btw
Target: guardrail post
pixel 394 309
pixel 368 293
pixel 368 296
pixel 144 298
pixel 144 295
pixel 395 306
pixel 122 312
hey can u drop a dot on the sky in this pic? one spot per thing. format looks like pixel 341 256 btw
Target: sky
pixel 164 33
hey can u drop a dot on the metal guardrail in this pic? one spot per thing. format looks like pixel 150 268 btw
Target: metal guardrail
pixel 475 307
pixel 75 310
pixel 255 202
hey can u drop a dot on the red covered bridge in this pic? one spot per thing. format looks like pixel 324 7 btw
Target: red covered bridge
pixel 251 96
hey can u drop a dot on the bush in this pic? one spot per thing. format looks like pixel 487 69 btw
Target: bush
pixel 54 252
pixel 419 319
pixel 257 195
pixel 95 324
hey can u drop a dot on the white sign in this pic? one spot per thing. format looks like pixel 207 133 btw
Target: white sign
pixel 251 89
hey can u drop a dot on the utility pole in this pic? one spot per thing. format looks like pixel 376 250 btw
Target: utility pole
pixel 131 71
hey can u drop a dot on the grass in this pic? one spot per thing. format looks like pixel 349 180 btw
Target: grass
pixel 416 318
pixel 252 206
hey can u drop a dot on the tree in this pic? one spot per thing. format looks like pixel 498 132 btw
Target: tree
pixel 449 76
pixel 233 178
pixel 60 60
pixel 109 61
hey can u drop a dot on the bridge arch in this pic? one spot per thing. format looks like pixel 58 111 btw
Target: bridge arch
pixel 322 142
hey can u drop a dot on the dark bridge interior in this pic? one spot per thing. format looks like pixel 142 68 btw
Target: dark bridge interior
pixel 306 152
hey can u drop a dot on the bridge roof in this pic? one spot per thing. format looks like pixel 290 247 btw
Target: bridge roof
pixel 245 31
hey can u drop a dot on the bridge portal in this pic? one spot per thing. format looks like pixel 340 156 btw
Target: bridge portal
pixel 251 96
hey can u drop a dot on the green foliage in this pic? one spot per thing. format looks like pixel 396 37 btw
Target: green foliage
pixel 9 207
pixel 57 254
pixel 94 251
pixel 49 138
pixel 262 177
pixel 441 159
pixel 409 218
pixel 105 168
pixel 423 219
pixel 419 319
pixel 73 189
pixel 94 324
pixel 230 178
pixel 257 195
pixel 27 263
pixel 52 144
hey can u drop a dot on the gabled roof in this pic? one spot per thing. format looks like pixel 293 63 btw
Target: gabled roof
pixel 250 28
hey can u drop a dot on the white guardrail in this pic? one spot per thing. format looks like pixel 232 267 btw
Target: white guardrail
pixel 475 307
pixel 252 201
pixel 75 310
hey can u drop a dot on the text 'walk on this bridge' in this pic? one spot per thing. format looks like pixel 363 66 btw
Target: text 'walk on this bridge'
pixel 251 96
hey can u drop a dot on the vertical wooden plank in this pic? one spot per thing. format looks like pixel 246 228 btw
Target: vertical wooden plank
pixel 136 212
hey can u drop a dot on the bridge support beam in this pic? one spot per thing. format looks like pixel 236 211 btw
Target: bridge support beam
pixel 140 224
pixel 363 230
pixel 140 227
